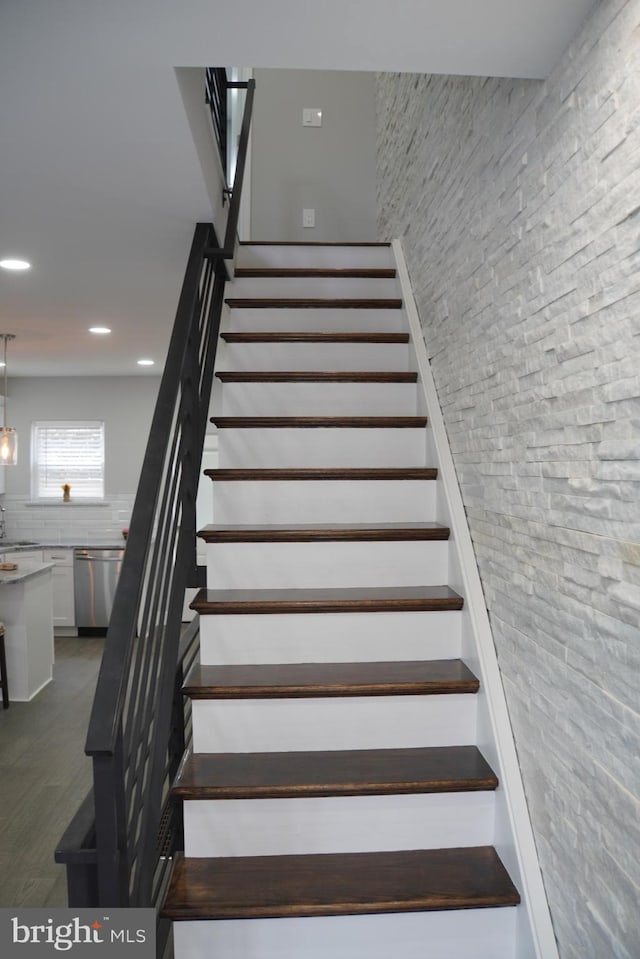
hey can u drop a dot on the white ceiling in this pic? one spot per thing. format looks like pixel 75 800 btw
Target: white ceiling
pixel 99 181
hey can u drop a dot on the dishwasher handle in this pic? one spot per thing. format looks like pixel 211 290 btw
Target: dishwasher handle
pixel 99 556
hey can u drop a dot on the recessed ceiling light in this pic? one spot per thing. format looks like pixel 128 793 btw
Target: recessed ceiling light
pixel 101 330
pixel 13 264
pixel 146 362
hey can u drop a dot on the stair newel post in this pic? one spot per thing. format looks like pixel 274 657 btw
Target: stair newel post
pixel 111 825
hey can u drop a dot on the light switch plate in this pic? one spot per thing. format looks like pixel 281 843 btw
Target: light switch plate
pixel 311 117
pixel 308 218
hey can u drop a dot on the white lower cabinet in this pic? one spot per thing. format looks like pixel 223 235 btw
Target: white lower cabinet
pixel 64 613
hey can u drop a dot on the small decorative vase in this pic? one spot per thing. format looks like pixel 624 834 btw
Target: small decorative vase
pixel 66 496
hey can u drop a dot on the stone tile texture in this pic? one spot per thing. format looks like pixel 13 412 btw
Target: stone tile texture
pixel 518 206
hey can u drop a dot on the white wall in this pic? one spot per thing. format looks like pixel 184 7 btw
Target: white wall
pixel 517 204
pixel 330 169
pixel 125 404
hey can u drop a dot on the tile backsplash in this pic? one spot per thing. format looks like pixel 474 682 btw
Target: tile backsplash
pixel 91 523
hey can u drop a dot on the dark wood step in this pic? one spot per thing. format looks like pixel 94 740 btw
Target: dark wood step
pixel 313 680
pixel 315 337
pixel 311 303
pixel 277 272
pixel 316 376
pixel 323 532
pixel 338 884
pixel 356 772
pixel 381 599
pixel 307 243
pixel 324 473
pixel 319 422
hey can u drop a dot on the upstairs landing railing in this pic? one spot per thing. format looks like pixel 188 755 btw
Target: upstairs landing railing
pixel 118 847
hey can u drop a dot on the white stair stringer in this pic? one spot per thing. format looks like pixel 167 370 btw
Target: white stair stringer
pixel 235 827
pixel 513 832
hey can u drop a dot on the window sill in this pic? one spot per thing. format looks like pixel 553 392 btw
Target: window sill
pixel 74 502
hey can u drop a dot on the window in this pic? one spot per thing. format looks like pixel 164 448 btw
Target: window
pixel 67 452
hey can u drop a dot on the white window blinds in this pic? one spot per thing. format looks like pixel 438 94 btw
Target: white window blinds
pixel 67 452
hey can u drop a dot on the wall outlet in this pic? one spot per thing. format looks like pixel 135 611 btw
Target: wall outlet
pixel 311 117
pixel 308 218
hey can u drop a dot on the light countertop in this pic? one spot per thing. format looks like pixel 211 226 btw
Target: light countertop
pixel 26 568
pixel 13 547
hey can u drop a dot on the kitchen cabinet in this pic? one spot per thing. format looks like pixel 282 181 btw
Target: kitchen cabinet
pixel 64 615
pixel 25 601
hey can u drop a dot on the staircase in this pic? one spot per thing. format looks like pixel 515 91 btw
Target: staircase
pixel 337 803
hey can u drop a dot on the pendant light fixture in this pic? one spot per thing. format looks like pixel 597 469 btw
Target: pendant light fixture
pixel 8 436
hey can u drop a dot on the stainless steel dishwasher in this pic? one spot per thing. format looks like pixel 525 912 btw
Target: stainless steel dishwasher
pixel 96 573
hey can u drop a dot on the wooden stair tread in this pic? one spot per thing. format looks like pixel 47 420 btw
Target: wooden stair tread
pixel 323 532
pixel 316 376
pixel 338 884
pixel 319 422
pixel 314 337
pixel 312 243
pixel 285 272
pixel 209 602
pixel 325 473
pixel 313 680
pixel 311 303
pixel 357 772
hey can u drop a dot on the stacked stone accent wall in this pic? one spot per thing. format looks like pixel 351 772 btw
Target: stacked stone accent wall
pixel 518 206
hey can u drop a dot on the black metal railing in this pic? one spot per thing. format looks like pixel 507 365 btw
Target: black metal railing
pixel 131 736
pixel 217 89
pixel 119 845
pixel 216 92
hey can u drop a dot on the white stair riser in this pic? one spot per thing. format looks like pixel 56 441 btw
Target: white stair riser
pixel 319 399
pixel 302 447
pixel 292 565
pixel 315 257
pixel 329 637
pixel 455 934
pixel 333 319
pixel 324 501
pixel 313 287
pixel 271 827
pixel 351 722
pixel 312 356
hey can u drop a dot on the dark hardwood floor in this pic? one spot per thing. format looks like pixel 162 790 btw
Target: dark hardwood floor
pixel 44 775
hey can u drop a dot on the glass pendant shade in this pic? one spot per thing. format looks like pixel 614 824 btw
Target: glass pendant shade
pixel 8 446
pixel 8 436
